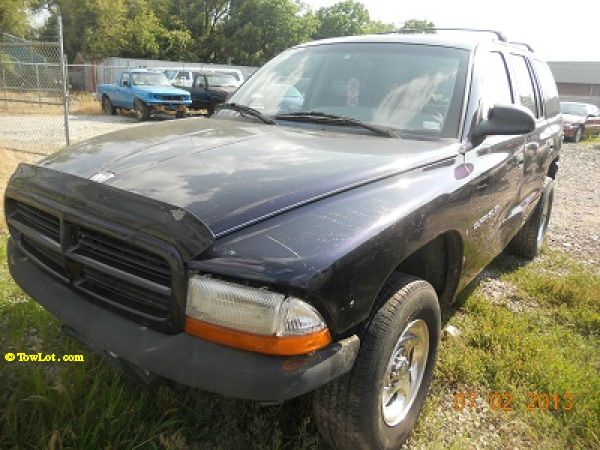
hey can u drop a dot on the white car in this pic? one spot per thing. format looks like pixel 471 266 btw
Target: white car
pixel 185 77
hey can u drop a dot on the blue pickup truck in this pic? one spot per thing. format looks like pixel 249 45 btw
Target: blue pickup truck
pixel 145 92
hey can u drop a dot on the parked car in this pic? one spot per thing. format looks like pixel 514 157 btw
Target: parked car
pixel 268 253
pixel 145 92
pixel 579 120
pixel 181 77
pixel 185 77
pixel 209 89
pixel 236 73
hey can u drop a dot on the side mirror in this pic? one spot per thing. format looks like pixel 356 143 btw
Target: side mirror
pixel 505 120
pixel 125 83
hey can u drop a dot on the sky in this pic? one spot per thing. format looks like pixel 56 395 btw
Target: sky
pixel 557 30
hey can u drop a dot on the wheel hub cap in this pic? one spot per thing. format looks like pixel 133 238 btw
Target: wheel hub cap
pixel 404 372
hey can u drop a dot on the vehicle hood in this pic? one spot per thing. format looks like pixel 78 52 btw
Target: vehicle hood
pixel 572 118
pixel 231 173
pixel 161 90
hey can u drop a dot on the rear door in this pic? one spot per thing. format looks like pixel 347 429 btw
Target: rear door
pixel 540 142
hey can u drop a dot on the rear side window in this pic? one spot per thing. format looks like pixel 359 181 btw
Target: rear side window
pixel 496 85
pixel 525 89
pixel 549 91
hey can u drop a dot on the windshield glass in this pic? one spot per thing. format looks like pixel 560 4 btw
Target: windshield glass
pixel 221 80
pixel 149 79
pixel 577 109
pixel 414 88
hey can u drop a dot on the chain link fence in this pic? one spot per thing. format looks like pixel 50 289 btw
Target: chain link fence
pixel 33 94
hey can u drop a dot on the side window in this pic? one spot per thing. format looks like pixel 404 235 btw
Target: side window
pixel 183 75
pixel 549 91
pixel 525 90
pixel 496 86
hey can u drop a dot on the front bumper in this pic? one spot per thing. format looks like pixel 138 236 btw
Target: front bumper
pixel 182 358
pixel 169 105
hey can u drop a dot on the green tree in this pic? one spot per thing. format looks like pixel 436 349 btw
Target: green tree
pixel 418 26
pixel 345 18
pixel 14 17
pixel 105 35
pixel 239 31
pixel 257 30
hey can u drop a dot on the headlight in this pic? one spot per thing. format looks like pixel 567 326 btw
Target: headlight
pixel 253 319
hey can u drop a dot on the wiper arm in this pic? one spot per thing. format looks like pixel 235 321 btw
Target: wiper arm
pixel 321 117
pixel 243 109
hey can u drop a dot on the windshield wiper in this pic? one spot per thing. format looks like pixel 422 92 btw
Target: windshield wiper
pixel 333 119
pixel 243 109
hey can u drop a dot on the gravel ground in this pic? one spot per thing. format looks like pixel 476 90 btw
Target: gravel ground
pixel 575 223
pixel 46 133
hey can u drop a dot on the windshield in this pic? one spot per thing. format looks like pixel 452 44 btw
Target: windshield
pixel 414 88
pixel 577 109
pixel 149 79
pixel 221 80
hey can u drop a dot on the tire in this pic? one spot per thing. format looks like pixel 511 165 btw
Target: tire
pixel 210 109
pixel 142 112
pixel 349 411
pixel 578 135
pixel 528 241
pixel 181 114
pixel 108 107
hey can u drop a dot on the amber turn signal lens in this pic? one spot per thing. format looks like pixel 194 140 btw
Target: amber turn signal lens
pixel 268 345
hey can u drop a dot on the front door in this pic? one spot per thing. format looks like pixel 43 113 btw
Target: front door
pixel 497 164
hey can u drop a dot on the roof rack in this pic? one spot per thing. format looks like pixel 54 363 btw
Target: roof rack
pixel 523 44
pixel 498 34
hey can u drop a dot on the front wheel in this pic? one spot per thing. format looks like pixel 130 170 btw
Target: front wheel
pixel 528 241
pixel 181 114
pixel 376 405
pixel 142 111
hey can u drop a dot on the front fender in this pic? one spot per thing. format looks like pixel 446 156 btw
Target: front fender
pixel 336 253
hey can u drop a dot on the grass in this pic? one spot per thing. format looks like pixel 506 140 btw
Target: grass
pixel 592 139
pixel 552 348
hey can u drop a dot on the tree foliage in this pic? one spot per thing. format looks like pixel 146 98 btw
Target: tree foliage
pixel 222 31
pixel 418 26
pixel 13 16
